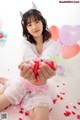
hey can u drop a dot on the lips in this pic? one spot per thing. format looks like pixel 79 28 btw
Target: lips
pixel 36 31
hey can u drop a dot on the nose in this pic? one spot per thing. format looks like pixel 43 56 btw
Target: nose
pixel 34 26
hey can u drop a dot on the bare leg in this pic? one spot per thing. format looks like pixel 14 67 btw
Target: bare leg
pixel 31 114
pixel 39 113
pixel 2 85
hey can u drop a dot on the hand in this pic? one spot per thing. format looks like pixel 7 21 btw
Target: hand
pixel 45 71
pixel 26 70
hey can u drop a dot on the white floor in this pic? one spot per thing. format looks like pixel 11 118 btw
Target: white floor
pixel 65 89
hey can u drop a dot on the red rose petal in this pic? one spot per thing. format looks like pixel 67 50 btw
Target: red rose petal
pixel 62 93
pixel 58 96
pixel 73 113
pixel 61 98
pixel 26 114
pixel 54 101
pixel 63 83
pixel 67 113
pixel 78 117
pixel 74 107
pixel 21 111
pixel 67 106
pixel 57 85
pixel 78 103
pixel 20 119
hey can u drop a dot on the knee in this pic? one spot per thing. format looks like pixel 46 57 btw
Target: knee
pixel 39 117
pixel 41 113
pixel 31 115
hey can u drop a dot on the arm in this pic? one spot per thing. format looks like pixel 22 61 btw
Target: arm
pixel 26 66
pixel 45 72
pixel 49 51
pixel 27 51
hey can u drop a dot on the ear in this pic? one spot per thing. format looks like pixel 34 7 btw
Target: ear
pixel 33 5
pixel 21 14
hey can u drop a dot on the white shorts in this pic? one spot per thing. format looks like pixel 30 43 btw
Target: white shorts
pixel 21 92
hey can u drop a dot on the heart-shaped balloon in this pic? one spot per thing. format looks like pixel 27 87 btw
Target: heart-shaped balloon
pixel 69 35
pixel 70 51
pixel 54 32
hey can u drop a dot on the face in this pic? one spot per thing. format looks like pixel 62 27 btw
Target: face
pixel 35 27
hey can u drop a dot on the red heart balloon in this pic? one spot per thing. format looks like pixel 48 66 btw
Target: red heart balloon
pixel 70 51
pixel 54 32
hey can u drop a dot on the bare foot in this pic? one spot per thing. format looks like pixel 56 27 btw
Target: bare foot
pixel 2 88
pixel 3 80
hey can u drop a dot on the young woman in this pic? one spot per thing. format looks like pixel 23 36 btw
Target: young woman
pixel 37 53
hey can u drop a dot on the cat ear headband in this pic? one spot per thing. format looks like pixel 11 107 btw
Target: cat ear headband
pixel 33 6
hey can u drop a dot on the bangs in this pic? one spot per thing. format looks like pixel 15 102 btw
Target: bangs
pixel 33 16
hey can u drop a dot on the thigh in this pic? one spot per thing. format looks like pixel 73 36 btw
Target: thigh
pixel 31 114
pixel 41 113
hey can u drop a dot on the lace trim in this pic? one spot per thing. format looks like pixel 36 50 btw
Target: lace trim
pixel 15 93
pixel 38 101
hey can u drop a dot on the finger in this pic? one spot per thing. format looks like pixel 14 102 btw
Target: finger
pixel 44 71
pixel 55 65
pixel 28 74
pixel 32 76
pixel 27 63
pixel 25 70
pixel 49 70
pixel 21 65
pixel 45 74
pixel 41 76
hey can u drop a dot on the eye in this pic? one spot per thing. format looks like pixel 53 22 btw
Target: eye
pixel 28 25
pixel 36 21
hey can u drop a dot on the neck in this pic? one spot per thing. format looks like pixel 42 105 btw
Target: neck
pixel 39 40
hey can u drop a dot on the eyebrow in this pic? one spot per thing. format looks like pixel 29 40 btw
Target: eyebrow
pixel 32 20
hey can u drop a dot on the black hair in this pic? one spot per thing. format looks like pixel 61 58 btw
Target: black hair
pixel 37 15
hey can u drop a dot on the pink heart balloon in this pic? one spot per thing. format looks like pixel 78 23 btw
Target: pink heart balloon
pixel 70 51
pixel 69 35
pixel 54 32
